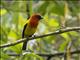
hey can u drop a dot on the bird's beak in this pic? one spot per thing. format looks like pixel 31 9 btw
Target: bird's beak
pixel 41 17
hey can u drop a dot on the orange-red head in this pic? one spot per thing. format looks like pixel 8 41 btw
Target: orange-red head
pixel 34 19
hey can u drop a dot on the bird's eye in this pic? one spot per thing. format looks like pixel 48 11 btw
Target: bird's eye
pixel 39 17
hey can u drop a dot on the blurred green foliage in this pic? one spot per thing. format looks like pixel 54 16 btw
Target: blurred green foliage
pixel 56 14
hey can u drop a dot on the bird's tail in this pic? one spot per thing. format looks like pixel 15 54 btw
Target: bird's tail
pixel 25 44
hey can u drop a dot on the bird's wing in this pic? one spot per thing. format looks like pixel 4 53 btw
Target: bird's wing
pixel 24 30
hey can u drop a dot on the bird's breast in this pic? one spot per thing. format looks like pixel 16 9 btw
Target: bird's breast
pixel 30 30
pixel 34 23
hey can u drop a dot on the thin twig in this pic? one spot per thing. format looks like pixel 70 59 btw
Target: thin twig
pixel 51 55
pixel 28 9
pixel 49 34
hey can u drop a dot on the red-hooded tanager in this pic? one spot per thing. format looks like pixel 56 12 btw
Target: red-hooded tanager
pixel 30 28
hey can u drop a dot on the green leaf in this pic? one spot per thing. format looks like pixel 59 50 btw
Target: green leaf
pixel 74 33
pixel 17 48
pixel 65 36
pixel 3 56
pixel 43 7
pixel 53 22
pixel 62 47
pixel 12 35
pixel 57 8
pixel 3 12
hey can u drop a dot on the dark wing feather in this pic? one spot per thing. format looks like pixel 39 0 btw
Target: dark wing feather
pixel 24 30
pixel 23 36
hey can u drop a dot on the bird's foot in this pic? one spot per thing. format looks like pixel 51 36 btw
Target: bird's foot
pixel 34 35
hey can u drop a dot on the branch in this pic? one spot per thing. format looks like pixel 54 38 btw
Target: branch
pixel 28 9
pixel 51 55
pixel 49 34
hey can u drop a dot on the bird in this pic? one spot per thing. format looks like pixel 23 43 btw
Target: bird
pixel 30 28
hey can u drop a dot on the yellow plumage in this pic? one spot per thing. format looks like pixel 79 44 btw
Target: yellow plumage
pixel 29 30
